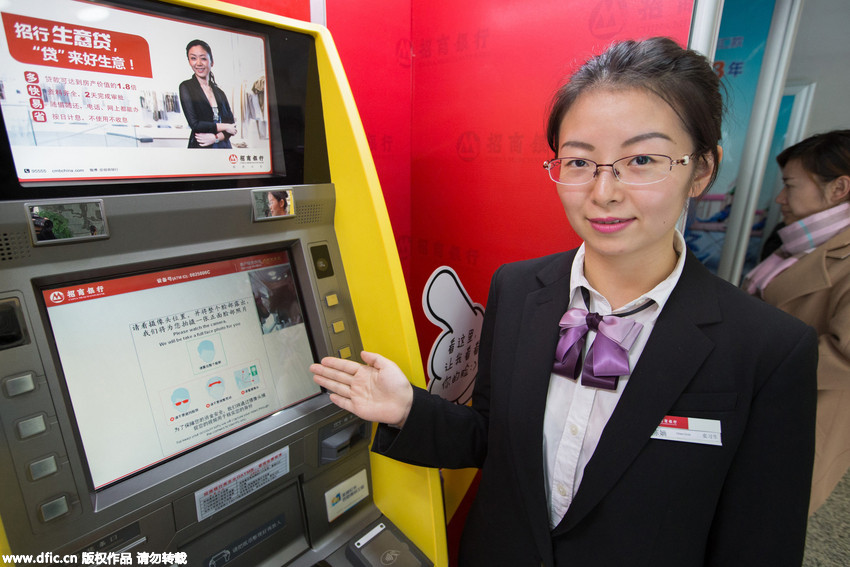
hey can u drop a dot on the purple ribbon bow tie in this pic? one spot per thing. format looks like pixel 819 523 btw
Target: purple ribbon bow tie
pixel 608 357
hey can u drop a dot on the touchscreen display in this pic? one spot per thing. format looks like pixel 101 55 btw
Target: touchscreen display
pixel 161 362
pixel 89 92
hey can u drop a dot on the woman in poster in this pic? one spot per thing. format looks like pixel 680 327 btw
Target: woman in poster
pixel 204 103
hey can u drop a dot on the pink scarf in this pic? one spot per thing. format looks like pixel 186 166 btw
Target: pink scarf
pixel 798 239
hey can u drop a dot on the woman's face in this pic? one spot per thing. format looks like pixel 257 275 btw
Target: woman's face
pixel 277 207
pixel 200 61
pixel 801 195
pixel 616 220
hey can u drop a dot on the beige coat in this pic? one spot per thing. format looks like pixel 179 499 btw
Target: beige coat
pixel 817 290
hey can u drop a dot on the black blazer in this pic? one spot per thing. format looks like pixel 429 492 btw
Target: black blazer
pixel 714 353
pixel 199 113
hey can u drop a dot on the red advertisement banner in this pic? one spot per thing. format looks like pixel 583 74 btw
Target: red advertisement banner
pixel 35 41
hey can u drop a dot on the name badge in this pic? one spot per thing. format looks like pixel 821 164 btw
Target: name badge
pixel 689 430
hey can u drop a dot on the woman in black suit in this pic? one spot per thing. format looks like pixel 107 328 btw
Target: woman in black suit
pixel 630 407
pixel 204 103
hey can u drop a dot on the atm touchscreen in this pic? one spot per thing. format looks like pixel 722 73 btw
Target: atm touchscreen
pixel 160 362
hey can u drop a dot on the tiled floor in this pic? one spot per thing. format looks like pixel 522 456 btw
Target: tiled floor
pixel 828 538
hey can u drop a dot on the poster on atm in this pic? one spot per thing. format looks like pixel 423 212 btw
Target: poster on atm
pixel 90 92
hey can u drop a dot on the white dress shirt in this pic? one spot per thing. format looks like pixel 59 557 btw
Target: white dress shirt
pixel 575 414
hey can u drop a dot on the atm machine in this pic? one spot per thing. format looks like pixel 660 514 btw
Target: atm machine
pixel 160 303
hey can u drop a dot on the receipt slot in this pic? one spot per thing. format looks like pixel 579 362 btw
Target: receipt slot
pixel 12 330
pixel 337 440
pixel 163 295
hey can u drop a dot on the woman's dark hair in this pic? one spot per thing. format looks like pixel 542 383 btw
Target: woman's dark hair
pixel 199 43
pixel 206 47
pixel 826 156
pixel 683 78
pixel 280 196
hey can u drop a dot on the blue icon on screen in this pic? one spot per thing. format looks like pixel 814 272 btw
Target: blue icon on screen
pixel 247 377
pixel 206 350
pixel 180 398
pixel 215 387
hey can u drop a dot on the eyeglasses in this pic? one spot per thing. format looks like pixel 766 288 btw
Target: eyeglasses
pixel 643 169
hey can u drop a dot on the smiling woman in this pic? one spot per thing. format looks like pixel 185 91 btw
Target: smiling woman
pixel 625 225
pixel 622 390
pixel 204 103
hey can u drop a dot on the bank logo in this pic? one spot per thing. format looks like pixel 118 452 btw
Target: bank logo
pixel 607 19
pixel 57 297
pixel 402 52
pixel 468 146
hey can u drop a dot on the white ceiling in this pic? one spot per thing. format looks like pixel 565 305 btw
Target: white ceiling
pixel 822 55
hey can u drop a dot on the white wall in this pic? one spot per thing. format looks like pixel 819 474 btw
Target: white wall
pixel 822 55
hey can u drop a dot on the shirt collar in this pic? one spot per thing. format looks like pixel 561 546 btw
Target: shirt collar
pixel 659 294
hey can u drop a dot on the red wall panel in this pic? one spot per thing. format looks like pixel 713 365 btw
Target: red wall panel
pixel 484 72
pixel 373 41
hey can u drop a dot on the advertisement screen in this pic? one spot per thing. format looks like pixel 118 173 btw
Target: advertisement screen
pixel 161 362
pixel 89 92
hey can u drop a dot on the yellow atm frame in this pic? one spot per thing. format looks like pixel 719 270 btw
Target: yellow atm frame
pixel 409 496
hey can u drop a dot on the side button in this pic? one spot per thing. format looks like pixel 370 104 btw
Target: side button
pixel 53 509
pixel 43 467
pixel 332 300
pixel 345 352
pixel 18 385
pixel 31 426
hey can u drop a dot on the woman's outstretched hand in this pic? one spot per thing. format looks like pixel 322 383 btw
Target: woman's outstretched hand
pixel 377 391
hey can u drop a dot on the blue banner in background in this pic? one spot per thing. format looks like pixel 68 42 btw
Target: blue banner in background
pixel 744 28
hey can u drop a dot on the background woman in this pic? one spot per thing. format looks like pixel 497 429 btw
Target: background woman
pixel 204 104
pixel 809 277
pixel 630 408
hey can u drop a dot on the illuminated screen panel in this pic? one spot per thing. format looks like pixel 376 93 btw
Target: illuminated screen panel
pixel 115 90
pixel 161 362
